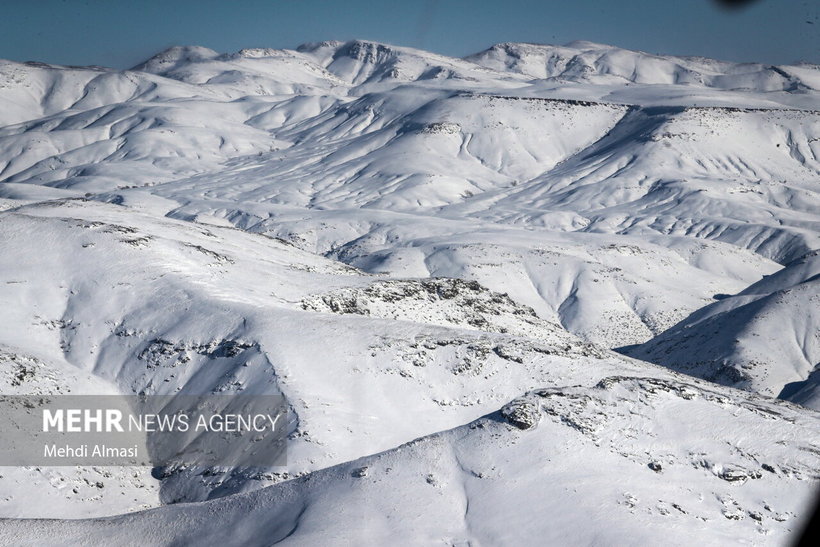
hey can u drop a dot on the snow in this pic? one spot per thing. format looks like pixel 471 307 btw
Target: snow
pixel 571 479
pixel 432 260
pixel 740 341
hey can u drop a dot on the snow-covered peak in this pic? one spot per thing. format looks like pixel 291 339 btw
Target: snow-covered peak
pixel 366 62
pixel 258 52
pixel 174 56
pixel 583 61
pixel 361 50
pixel 533 60
pixel 248 72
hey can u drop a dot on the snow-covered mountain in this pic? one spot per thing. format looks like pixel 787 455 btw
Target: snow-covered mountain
pixel 410 246
pixel 764 338
pixel 583 61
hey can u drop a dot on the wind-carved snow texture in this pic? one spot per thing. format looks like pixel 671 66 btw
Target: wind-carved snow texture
pixel 431 260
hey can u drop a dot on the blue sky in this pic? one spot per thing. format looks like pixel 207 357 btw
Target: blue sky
pixel 122 33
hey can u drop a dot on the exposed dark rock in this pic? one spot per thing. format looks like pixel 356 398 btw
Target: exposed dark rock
pixel 522 413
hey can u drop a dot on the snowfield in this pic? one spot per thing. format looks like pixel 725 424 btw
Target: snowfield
pixel 538 295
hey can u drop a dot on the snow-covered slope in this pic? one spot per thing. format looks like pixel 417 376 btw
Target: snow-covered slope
pixel 400 243
pixel 161 306
pixel 764 339
pixel 563 474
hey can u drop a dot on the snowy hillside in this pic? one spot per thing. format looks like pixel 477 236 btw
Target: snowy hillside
pixel 426 257
pixel 569 480
pixel 741 340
